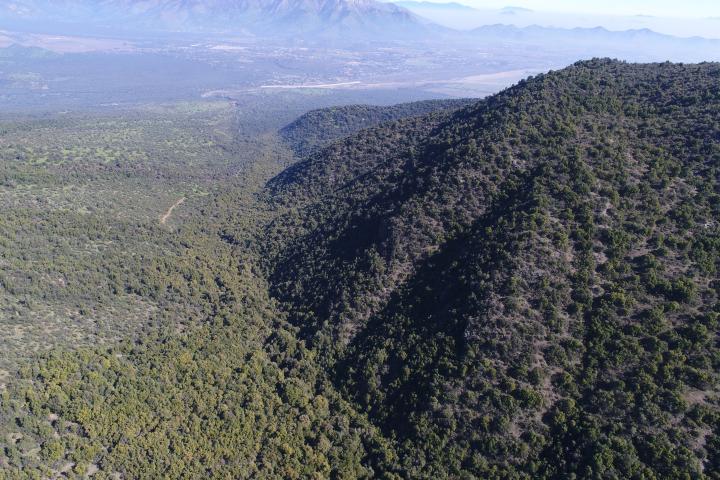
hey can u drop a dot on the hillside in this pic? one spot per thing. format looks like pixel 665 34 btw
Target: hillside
pixel 319 127
pixel 523 287
pixel 529 286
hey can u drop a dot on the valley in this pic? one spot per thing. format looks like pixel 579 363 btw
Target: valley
pixel 57 66
pixel 58 79
pixel 92 210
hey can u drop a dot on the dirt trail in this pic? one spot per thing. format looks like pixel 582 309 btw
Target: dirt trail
pixel 169 212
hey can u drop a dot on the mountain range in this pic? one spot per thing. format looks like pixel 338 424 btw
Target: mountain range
pixel 466 18
pixel 337 22
pixel 251 17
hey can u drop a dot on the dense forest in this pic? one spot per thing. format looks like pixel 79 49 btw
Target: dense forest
pixel 320 127
pixel 528 287
pixel 524 286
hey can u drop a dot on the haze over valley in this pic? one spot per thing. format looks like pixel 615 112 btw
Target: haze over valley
pixel 81 53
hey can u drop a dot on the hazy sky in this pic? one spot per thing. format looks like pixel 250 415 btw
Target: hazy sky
pixel 683 18
pixel 672 8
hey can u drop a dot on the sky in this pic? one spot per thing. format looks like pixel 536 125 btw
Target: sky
pixel 665 8
pixel 683 18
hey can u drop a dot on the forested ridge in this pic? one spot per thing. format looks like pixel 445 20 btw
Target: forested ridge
pixel 528 287
pixel 520 287
pixel 320 127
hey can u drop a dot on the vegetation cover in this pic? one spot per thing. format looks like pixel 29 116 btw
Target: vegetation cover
pixel 528 287
pixel 523 287
pixel 320 127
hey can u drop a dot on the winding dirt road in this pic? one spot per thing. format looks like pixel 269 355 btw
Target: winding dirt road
pixel 166 217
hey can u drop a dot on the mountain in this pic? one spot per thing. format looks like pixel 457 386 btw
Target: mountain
pixel 514 10
pixel 527 287
pixel 343 23
pixel 411 5
pixel 256 17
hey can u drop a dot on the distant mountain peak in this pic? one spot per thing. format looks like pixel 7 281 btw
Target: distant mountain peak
pixel 411 4
pixel 510 10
